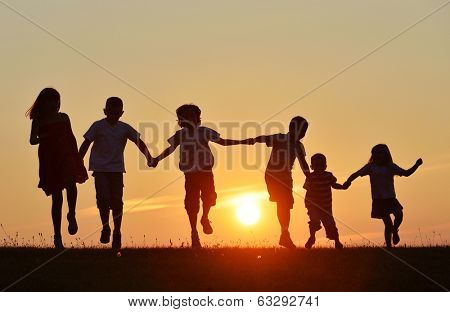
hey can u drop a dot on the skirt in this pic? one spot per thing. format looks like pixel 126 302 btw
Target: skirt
pixel 383 207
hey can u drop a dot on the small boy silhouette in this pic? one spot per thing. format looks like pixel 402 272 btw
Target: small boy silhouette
pixel 196 161
pixel 286 147
pixel 381 169
pixel 110 136
pixel 319 201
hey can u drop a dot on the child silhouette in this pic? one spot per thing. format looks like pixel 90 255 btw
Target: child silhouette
pixel 196 161
pixel 60 166
pixel 382 169
pixel 286 147
pixel 318 201
pixel 110 136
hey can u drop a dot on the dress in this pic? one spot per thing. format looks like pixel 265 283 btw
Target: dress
pixel 59 160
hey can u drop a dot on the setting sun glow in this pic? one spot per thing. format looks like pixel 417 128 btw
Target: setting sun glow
pixel 248 209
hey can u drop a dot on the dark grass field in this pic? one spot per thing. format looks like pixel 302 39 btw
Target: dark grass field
pixel 226 269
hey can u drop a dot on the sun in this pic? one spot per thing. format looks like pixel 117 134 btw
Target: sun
pixel 248 209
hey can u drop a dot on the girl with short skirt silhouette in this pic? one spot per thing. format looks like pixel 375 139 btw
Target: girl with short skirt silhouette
pixel 381 169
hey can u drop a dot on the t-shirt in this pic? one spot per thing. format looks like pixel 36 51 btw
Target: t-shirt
pixel 195 154
pixel 318 190
pixel 283 153
pixel 109 144
pixel 382 179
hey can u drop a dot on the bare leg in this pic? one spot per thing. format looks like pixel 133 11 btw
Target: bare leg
pixel 398 219
pixel 194 233
pixel 71 190
pixel 284 216
pixel 72 194
pixel 193 221
pixel 117 218
pixel 104 216
pixel 57 201
pixel 117 235
pixel 206 209
pixel 388 227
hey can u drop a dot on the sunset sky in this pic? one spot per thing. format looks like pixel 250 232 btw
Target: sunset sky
pixel 241 62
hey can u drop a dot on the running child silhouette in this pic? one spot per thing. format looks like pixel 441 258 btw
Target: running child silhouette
pixel 381 169
pixel 286 147
pixel 318 201
pixel 196 161
pixel 60 165
pixel 110 136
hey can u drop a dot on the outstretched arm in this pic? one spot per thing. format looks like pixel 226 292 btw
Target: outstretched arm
pixel 338 186
pixel 166 152
pixel 84 148
pixel 229 142
pixel 261 139
pixel 350 179
pixel 413 169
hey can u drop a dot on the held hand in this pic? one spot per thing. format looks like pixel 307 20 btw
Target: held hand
pixel 152 162
pixel 250 141
pixel 419 162
pixel 346 185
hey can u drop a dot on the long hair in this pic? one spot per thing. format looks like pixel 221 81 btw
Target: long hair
pixel 46 102
pixel 381 149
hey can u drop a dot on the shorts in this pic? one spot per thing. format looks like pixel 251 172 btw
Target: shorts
pixel 324 216
pixel 199 185
pixel 280 185
pixel 383 207
pixel 109 190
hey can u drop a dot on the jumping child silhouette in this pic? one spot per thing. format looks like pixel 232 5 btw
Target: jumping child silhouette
pixel 196 161
pixel 60 166
pixel 110 136
pixel 382 170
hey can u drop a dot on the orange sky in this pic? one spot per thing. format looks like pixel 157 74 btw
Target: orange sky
pixel 240 62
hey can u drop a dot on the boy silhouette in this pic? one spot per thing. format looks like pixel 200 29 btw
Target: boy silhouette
pixel 286 147
pixel 196 161
pixel 110 136
pixel 318 201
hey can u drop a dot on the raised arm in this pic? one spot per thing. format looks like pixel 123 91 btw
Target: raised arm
pixel 413 169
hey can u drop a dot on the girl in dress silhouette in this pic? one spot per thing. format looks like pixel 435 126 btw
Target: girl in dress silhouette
pixel 60 166
pixel 381 169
